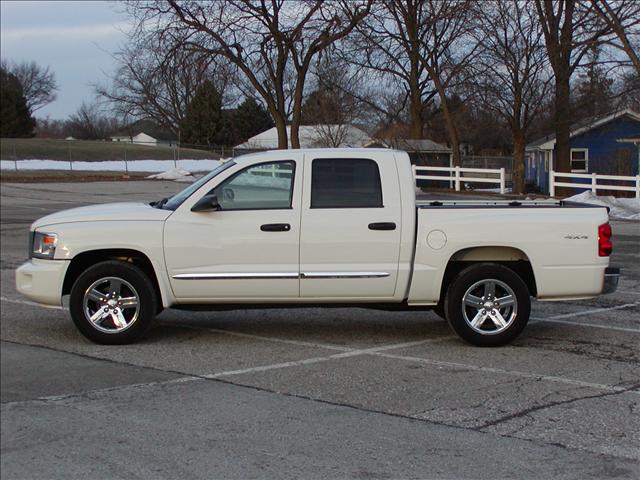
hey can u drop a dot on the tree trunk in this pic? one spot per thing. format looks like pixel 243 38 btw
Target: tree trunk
pixel 454 137
pixel 518 161
pixel 415 108
pixel 415 112
pixel 281 128
pixel 296 117
pixel 561 161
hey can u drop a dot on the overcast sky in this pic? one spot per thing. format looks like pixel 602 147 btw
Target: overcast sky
pixel 75 38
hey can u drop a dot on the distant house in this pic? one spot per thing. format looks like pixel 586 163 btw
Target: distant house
pixel 606 145
pixel 311 136
pixel 424 151
pixel 145 132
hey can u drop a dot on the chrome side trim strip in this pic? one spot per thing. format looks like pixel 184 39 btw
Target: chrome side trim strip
pixel 277 276
pixel 235 276
pixel 344 275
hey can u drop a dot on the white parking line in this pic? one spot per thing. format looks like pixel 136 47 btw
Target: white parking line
pixel 309 361
pixel 57 398
pixel 591 325
pixel 535 376
pixel 558 318
pixel 592 311
pixel 27 302
pixel 299 343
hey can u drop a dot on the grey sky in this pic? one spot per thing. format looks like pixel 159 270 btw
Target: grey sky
pixel 74 38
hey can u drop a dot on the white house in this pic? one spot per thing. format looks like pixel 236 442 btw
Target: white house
pixel 311 136
pixel 141 139
pixel 145 132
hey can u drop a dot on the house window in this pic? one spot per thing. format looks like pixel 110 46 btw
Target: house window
pixel 579 160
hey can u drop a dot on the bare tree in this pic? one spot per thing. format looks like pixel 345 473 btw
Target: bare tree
pixel 424 44
pixel 570 30
pixel 156 79
pixel 330 22
pixel 390 43
pixel 271 43
pixel 39 84
pixel 331 107
pixel 623 18
pixel 90 123
pixel 512 78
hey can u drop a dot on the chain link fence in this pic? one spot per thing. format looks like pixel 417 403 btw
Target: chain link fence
pixel 123 156
pixel 101 151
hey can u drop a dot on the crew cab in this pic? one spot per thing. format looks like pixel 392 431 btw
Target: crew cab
pixel 330 227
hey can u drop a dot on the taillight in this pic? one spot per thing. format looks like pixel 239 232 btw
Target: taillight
pixel 604 240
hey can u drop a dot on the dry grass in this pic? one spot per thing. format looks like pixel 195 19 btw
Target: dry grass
pixel 91 151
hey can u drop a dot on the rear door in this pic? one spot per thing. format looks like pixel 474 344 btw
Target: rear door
pixel 351 226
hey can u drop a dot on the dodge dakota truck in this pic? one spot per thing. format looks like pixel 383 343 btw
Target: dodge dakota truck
pixel 330 227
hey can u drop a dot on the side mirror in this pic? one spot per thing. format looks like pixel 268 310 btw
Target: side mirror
pixel 208 203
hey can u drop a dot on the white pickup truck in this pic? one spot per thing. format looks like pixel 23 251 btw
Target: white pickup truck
pixel 335 227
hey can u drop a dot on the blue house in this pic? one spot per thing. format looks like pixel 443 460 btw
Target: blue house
pixel 609 145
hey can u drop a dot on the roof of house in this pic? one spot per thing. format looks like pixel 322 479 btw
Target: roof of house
pixel 422 145
pixel 548 142
pixel 147 127
pixel 633 139
pixel 310 136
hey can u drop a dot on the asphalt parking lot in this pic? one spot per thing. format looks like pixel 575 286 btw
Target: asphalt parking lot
pixel 312 393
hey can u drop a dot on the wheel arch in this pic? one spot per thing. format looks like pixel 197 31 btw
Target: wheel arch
pixel 510 257
pixel 86 259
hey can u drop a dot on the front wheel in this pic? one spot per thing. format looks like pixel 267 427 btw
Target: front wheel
pixel 113 302
pixel 488 305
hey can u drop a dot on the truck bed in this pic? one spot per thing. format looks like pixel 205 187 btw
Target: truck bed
pixel 501 204
pixel 558 239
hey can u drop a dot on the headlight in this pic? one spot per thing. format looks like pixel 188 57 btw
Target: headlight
pixel 44 245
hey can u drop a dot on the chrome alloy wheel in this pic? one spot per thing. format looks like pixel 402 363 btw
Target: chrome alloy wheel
pixel 111 304
pixel 489 306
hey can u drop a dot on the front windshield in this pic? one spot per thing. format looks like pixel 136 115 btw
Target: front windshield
pixel 175 201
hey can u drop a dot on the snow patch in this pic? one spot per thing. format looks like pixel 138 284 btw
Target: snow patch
pixel 177 174
pixel 620 208
pixel 110 165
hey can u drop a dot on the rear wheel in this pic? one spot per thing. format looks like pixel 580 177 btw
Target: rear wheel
pixel 439 311
pixel 113 302
pixel 488 305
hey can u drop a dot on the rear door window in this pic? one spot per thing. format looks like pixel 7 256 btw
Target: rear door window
pixel 345 183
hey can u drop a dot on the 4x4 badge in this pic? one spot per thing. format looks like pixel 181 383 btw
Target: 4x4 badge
pixel 576 237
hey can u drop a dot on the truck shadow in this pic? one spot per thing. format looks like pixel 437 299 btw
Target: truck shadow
pixel 314 325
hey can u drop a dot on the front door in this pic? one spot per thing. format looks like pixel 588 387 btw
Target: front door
pixel 351 225
pixel 249 248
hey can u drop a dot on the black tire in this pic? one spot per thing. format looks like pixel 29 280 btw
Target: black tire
pixel 479 278
pixel 133 282
pixel 439 311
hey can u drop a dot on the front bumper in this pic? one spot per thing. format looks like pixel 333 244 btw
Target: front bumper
pixel 41 280
pixel 611 277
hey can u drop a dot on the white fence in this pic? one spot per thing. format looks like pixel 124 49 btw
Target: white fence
pixel 456 176
pixel 596 182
